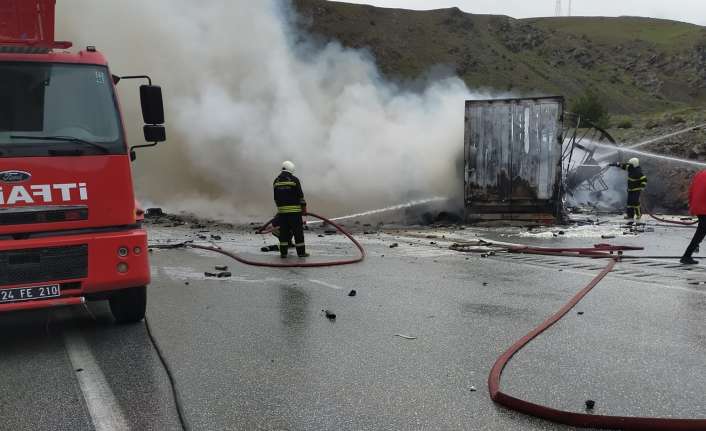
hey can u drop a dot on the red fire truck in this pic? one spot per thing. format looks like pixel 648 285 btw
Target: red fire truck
pixel 70 228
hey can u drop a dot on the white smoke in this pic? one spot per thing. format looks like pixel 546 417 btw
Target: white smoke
pixel 241 96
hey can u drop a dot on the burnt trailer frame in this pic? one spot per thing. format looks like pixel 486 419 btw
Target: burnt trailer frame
pixel 513 159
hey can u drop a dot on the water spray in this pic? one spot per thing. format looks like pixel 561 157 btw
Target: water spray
pixel 387 209
pixel 651 155
pixel 667 136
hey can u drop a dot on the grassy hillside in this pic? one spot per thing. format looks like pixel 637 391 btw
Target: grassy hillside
pixel 635 64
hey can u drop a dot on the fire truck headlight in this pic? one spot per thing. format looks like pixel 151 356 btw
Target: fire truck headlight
pixel 123 251
pixel 122 267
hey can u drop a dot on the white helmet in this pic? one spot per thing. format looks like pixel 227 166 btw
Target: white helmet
pixel 288 166
pixel 635 162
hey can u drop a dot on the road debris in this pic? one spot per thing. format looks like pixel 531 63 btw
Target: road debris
pixel 394 245
pixel 352 293
pixel 329 315
pixel 154 212
pixel 406 337
pixel 221 268
pixel 590 404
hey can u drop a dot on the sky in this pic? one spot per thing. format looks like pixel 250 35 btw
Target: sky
pixel 693 11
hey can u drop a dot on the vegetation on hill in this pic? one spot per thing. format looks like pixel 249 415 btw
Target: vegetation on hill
pixel 631 64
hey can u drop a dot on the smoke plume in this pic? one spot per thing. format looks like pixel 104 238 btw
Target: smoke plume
pixel 243 92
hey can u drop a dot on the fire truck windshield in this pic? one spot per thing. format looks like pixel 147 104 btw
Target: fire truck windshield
pixel 57 110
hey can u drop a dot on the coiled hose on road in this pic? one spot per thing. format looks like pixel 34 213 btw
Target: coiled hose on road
pixel 585 420
pixel 296 264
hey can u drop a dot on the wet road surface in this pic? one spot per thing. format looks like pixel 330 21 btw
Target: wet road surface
pixel 412 350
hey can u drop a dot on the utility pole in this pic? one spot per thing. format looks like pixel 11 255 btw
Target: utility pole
pixel 557 11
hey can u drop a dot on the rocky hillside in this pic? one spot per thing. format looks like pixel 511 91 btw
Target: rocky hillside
pixel 635 64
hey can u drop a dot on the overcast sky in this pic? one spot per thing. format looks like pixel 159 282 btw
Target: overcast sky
pixel 681 10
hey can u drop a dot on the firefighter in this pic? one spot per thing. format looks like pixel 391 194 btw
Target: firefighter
pixel 697 207
pixel 291 206
pixel 636 184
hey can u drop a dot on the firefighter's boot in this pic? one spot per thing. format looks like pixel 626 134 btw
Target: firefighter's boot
pixel 301 251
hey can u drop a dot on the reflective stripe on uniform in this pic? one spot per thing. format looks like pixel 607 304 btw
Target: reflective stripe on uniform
pixel 284 244
pixel 636 190
pixel 289 209
pixel 286 184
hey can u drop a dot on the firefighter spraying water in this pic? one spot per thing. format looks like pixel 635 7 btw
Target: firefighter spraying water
pixel 291 206
pixel 636 184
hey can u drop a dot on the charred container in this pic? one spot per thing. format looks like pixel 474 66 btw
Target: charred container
pixel 513 159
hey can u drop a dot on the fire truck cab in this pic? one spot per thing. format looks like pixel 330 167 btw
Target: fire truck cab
pixel 70 227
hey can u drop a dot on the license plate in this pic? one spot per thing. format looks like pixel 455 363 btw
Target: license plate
pixel 29 293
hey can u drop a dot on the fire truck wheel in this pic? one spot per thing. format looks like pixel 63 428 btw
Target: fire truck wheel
pixel 129 305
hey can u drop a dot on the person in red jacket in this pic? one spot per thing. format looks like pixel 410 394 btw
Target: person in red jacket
pixel 697 207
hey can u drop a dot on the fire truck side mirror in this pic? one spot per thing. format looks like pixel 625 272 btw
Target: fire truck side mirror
pixel 152 105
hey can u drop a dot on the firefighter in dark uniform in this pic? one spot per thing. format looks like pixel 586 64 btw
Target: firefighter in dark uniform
pixel 636 184
pixel 291 206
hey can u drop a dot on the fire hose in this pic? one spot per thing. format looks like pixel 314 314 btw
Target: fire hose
pixel 296 264
pixel 585 420
pixel 679 222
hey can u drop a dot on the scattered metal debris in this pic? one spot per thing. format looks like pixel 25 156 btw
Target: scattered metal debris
pixel 352 293
pixel 154 212
pixel 221 268
pixel 394 245
pixel 406 337
pixel 590 404
pixel 329 315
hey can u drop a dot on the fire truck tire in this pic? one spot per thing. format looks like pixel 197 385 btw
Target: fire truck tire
pixel 129 305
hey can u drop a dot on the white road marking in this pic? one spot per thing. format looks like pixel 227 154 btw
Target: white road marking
pixel 103 407
pixel 323 283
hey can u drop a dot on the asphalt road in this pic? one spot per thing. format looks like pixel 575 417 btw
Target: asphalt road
pixel 411 351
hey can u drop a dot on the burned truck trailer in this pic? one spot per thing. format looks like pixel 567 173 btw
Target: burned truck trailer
pixel 513 150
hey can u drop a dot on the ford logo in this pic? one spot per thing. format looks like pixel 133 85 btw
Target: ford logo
pixel 14 176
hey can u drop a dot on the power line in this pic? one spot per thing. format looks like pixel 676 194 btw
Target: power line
pixel 558 9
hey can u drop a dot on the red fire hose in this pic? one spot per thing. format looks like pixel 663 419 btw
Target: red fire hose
pixel 679 222
pixel 572 418
pixel 295 264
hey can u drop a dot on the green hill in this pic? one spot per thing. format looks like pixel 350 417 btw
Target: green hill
pixel 635 64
